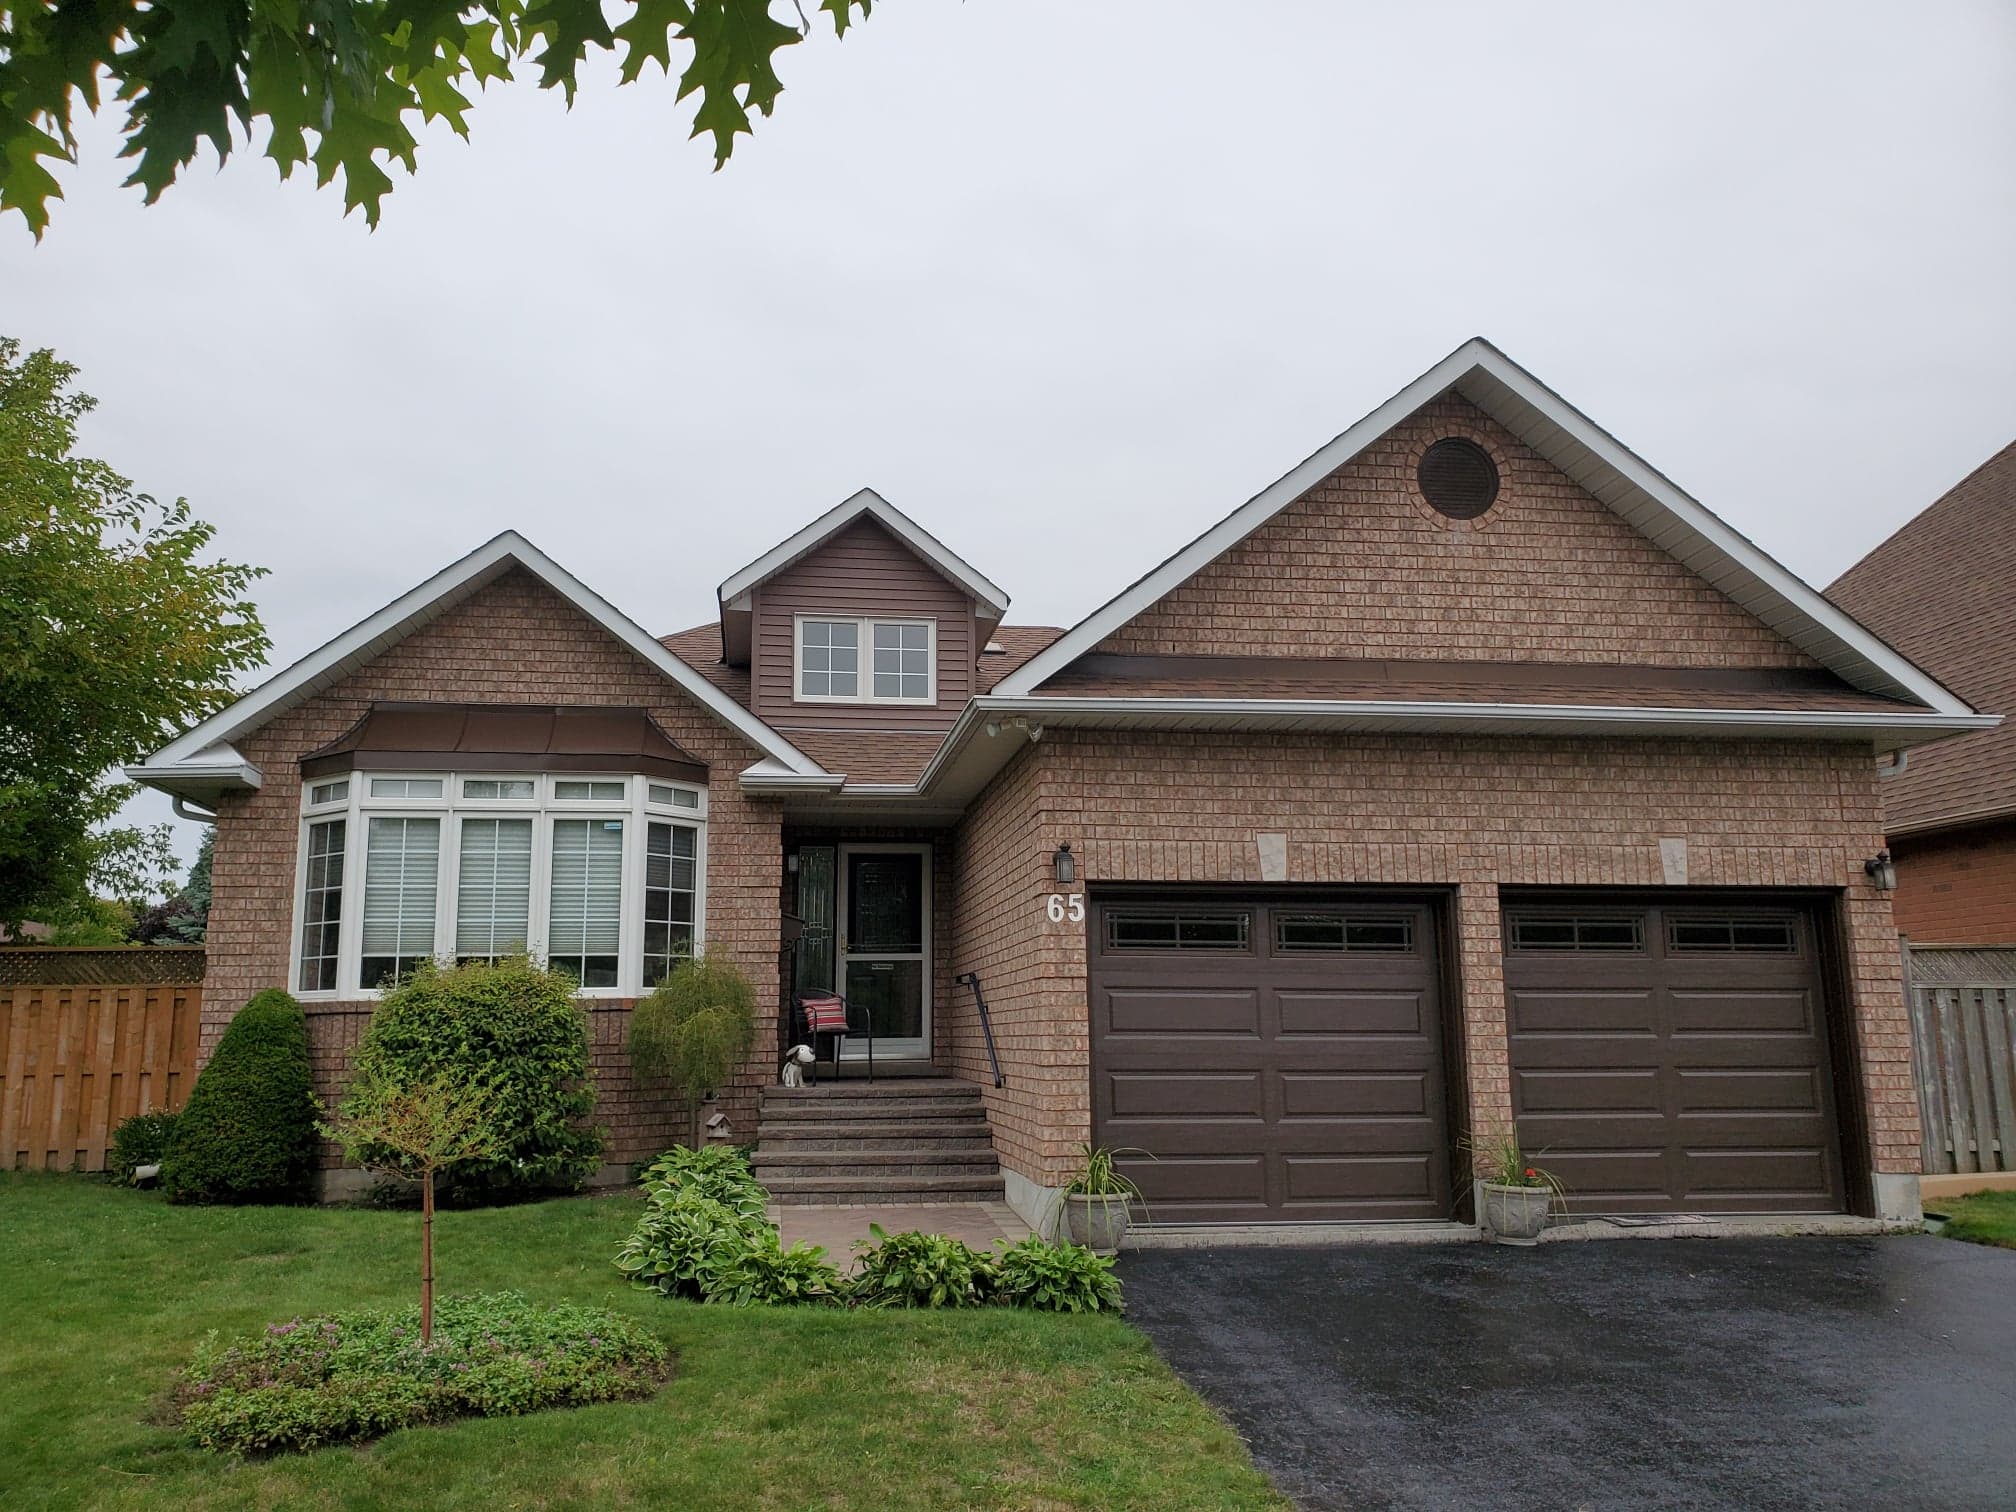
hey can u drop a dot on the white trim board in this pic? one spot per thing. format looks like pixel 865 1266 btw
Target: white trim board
pixel 992 601
pixel 1594 459
pixel 363 642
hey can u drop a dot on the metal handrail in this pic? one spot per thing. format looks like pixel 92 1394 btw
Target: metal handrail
pixel 972 979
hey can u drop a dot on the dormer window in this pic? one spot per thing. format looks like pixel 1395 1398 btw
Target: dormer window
pixel 901 660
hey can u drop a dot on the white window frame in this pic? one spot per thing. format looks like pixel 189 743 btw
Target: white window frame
pixel 635 809
pixel 865 651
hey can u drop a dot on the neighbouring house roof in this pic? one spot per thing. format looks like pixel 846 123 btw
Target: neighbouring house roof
pixel 989 602
pixel 506 738
pixel 1943 591
pixel 1594 460
pixel 201 764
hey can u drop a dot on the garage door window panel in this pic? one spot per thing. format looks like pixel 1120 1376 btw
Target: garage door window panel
pixel 1339 933
pixel 1224 930
pixel 1577 932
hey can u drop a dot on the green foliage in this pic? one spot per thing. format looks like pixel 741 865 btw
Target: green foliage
pixel 719 1173
pixel 94 921
pixel 248 1131
pixel 418 1128
pixel 183 919
pixel 763 1273
pixel 342 1377
pixel 339 82
pixel 1098 1176
pixel 919 1270
pixel 1055 1278
pixel 695 1030
pixel 684 1238
pixel 509 1025
pixel 113 634
pixel 140 1140
pixel 1496 1157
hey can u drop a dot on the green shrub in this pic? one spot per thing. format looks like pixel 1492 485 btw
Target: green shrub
pixel 514 1027
pixel 334 1379
pixel 695 1030
pixel 761 1272
pixel 719 1173
pixel 140 1140
pixel 684 1237
pixel 919 1270
pixel 1055 1278
pixel 248 1131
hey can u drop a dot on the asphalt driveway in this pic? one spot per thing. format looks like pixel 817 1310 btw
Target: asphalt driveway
pixel 1877 1373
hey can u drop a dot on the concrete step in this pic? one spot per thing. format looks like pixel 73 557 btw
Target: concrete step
pixel 903 1086
pixel 769 1167
pixel 879 1110
pixel 772 1138
pixel 798 1190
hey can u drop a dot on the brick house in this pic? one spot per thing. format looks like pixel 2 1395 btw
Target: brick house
pixel 1943 591
pixel 1470 772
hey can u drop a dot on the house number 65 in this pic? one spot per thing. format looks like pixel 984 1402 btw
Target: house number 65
pixel 1062 906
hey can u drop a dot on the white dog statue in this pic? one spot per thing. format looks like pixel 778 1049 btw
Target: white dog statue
pixel 796 1059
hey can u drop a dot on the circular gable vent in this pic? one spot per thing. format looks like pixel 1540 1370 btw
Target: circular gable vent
pixel 1458 478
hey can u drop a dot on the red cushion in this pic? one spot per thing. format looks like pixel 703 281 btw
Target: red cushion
pixel 825 1015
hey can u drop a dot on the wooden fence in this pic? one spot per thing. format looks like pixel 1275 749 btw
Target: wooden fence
pixel 79 1056
pixel 1963 1039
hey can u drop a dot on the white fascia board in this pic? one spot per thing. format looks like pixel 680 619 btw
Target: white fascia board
pixel 217 769
pixel 993 602
pixel 1680 523
pixel 774 777
pixel 357 645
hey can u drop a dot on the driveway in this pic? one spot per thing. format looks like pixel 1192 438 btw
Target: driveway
pixel 1619 1374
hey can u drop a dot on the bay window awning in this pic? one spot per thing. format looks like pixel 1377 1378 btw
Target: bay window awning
pixel 506 738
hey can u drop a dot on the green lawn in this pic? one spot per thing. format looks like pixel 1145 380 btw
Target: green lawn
pixel 1980 1217
pixel 106 1290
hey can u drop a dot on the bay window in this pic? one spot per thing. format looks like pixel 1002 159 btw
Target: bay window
pixel 602 877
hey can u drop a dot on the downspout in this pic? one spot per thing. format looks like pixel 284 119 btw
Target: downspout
pixel 184 811
pixel 1896 767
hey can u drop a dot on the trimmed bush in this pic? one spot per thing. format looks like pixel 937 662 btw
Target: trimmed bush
pixel 335 1379
pixel 248 1131
pixel 516 1028
pixel 695 1030
pixel 1055 1278
pixel 919 1270
pixel 141 1140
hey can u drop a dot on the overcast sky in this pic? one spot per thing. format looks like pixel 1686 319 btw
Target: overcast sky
pixel 1067 281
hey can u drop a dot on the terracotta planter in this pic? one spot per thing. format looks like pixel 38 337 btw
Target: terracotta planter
pixel 1098 1223
pixel 1516 1214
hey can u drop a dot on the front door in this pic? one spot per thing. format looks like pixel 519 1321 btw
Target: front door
pixel 884 954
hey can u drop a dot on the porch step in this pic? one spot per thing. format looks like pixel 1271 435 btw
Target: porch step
pixel 915 1140
pixel 914 1161
pixel 928 1134
pixel 801 1190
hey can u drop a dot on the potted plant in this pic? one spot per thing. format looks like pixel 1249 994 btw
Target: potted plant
pixel 1514 1194
pixel 1098 1201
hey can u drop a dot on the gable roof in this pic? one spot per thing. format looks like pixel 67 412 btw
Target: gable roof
pixel 1943 591
pixel 1594 460
pixel 992 602
pixel 201 762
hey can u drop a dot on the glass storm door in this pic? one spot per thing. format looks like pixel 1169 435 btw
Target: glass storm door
pixel 884 956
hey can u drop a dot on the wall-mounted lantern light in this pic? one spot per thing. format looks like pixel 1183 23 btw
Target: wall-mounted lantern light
pixel 1882 871
pixel 1064 865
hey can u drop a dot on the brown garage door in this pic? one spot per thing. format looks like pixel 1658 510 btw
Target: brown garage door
pixel 1280 1057
pixel 1673 1058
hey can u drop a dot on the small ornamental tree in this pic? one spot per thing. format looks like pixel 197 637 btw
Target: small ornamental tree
pixel 248 1131
pixel 695 1030
pixel 419 1129
pixel 509 1024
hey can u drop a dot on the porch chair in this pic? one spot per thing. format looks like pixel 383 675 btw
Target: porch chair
pixel 831 1015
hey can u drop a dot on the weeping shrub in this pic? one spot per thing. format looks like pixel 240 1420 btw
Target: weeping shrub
pixel 516 1029
pixel 248 1131
pixel 695 1031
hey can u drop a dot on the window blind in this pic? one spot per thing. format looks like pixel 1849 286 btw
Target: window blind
pixel 585 917
pixel 493 890
pixel 402 865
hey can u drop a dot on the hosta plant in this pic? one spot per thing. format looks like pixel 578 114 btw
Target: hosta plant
pixel 1055 1278
pixel 719 1173
pixel 763 1272
pixel 684 1237
pixel 919 1270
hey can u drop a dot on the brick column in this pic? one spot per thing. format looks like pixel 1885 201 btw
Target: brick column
pixel 1481 969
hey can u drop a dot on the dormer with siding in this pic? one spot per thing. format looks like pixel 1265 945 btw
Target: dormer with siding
pixel 860 625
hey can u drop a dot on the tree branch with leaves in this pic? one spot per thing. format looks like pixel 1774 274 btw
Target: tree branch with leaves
pixel 338 84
